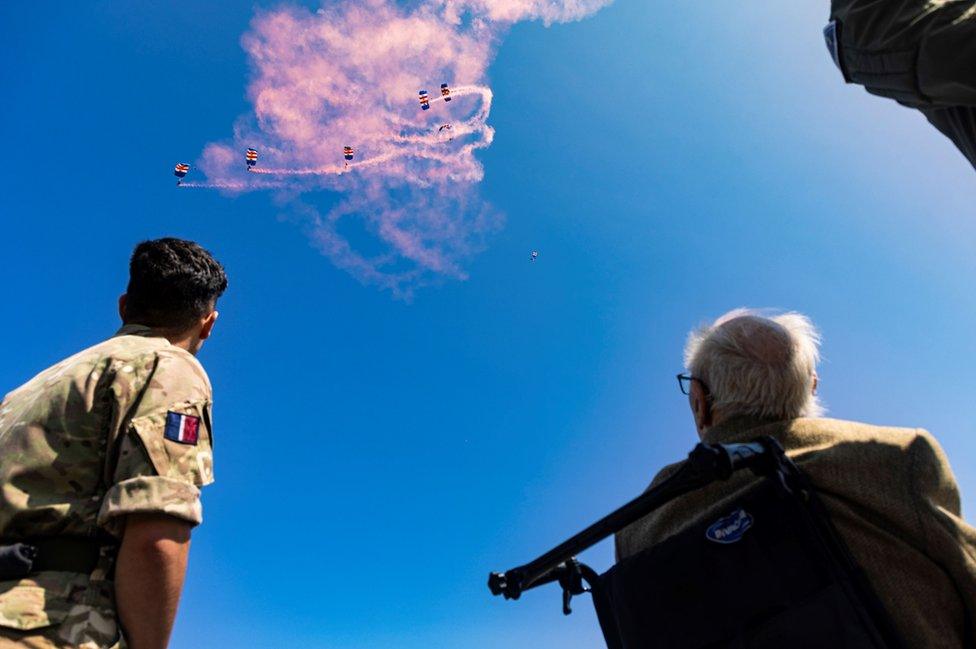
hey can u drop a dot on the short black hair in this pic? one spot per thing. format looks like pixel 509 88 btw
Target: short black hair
pixel 172 283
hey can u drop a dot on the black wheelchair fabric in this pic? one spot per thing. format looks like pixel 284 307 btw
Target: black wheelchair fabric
pixel 758 575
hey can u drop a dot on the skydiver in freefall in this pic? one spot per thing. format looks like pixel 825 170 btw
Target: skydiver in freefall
pixel 921 53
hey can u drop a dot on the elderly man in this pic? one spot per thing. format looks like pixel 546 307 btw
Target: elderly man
pixel 890 491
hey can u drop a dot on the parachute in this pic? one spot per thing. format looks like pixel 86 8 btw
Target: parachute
pixel 534 255
pixel 428 138
pixel 180 171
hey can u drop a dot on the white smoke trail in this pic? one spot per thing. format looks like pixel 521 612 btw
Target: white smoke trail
pixel 348 75
pixel 428 146
pixel 235 186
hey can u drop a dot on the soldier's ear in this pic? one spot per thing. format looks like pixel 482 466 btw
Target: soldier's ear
pixel 122 299
pixel 207 325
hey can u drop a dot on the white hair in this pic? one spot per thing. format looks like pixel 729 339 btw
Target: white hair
pixel 758 365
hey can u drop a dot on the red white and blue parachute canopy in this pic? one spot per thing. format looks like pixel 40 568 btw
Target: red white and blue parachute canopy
pixel 251 156
pixel 347 152
pixel 424 100
pixel 180 169
pixel 445 92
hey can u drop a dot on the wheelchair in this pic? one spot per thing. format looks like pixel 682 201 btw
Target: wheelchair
pixel 771 573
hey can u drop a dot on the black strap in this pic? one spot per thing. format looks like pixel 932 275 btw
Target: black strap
pixel 62 553
pixel 15 561
pixel 864 592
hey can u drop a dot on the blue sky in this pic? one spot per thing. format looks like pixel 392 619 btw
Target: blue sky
pixel 376 458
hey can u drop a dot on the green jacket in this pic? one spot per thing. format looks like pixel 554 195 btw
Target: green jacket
pixel 921 53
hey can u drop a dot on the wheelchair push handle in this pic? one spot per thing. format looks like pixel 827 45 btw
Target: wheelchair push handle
pixel 706 463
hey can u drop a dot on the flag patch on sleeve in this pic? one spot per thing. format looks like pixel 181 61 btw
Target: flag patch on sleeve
pixel 181 428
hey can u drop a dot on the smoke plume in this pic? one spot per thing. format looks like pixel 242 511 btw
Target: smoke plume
pixel 405 210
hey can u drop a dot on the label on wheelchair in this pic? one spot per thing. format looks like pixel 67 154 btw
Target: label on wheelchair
pixel 729 529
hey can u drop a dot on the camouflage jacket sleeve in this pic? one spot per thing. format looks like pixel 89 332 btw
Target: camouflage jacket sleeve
pixel 164 447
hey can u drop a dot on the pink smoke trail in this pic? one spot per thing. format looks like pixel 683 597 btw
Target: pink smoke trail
pixel 349 74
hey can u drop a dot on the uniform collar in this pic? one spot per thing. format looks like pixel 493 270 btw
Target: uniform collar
pixel 136 330
pixel 738 429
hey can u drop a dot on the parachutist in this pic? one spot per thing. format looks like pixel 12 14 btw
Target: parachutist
pixel 180 171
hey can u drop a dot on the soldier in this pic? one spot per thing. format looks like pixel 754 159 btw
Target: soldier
pixel 921 53
pixel 102 457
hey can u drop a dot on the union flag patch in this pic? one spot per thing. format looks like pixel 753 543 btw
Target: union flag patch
pixel 181 428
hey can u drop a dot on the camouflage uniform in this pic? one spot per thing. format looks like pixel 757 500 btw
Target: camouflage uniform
pixel 921 53
pixel 83 444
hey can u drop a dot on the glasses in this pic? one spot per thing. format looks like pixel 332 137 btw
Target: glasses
pixel 684 383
